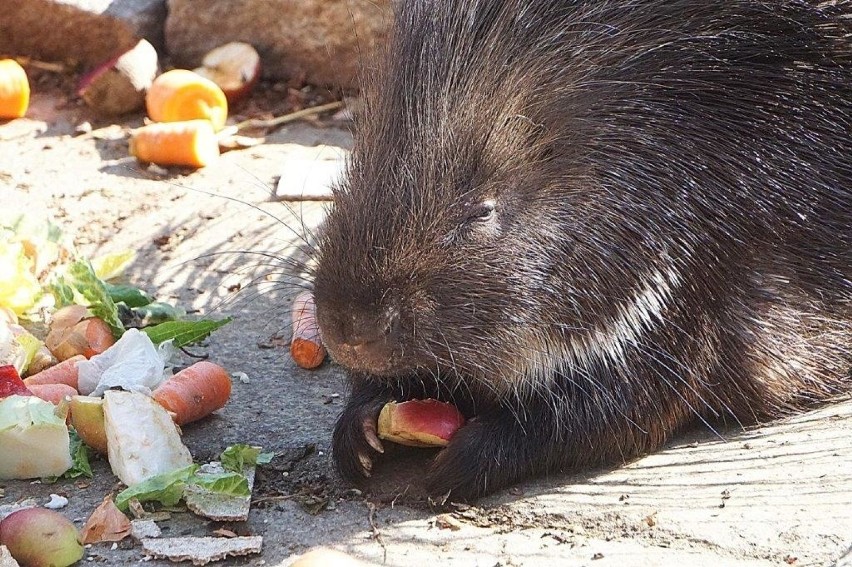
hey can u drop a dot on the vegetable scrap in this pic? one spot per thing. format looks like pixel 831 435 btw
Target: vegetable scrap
pixel 14 90
pixel 107 523
pixel 191 143
pixel 306 347
pixel 180 95
pixel 195 392
pixel 106 384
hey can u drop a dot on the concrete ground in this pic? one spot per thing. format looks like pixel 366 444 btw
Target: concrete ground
pixel 213 241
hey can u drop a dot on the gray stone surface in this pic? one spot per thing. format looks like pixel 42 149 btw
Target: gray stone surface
pixel 320 41
pixel 88 31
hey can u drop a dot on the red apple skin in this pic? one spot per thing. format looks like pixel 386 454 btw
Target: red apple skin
pixel 419 423
pixel 38 537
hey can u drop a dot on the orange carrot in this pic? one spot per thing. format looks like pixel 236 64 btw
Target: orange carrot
pixel 191 143
pixel 53 393
pixel 63 373
pixel 180 95
pixel 306 347
pixel 14 89
pixel 194 392
pixel 98 335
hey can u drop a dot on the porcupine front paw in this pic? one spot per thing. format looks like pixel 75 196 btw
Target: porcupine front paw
pixel 485 455
pixel 355 444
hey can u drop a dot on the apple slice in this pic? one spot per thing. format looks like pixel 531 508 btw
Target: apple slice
pixel 119 85
pixel 419 423
pixel 235 67
pixel 38 537
pixel 87 417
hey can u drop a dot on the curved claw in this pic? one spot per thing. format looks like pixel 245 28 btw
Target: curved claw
pixel 366 464
pixel 368 424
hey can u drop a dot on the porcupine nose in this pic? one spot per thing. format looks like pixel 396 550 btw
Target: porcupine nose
pixel 362 339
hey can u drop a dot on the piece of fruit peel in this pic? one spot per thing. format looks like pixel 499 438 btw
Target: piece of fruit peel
pixel 419 423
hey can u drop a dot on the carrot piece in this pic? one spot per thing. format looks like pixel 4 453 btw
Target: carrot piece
pixel 191 143
pixel 194 392
pixel 53 393
pixel 14 89
pixel 306 347
pixel 63 373
pixel 179 95
pixel 98 335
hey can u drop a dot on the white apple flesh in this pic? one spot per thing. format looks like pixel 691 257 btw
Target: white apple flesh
pixel 235 67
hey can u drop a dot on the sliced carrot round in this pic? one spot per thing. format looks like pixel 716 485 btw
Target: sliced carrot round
pixel 179 95
pixel 14 89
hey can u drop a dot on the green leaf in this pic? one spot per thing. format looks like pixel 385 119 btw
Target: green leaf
pixel 235 457
pixel 184 332
pixel 129 295
pixel 158 312
pixel 82 277
pixel 166 488
pixel 228 483
pixel 80 457
pixel 63 294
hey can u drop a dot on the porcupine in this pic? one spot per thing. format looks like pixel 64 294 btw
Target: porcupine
pixel 590 224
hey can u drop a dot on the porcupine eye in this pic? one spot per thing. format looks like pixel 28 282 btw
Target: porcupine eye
pixel 483 212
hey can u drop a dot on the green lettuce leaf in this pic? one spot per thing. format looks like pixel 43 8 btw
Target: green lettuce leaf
pixel 82 277
pixel 80 458
pixel 184 332
pixel 26 411
pixel 228 483
pixel 166 488
pixel 235 457
pixel 63 294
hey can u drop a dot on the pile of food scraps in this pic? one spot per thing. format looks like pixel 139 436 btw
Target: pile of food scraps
pixel 86 364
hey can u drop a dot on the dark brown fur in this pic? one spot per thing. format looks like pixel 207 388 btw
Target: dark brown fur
pixel 589 224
